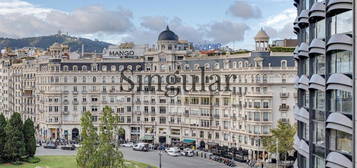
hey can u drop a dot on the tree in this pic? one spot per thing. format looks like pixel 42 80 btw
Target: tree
pixel 283 135
pixel 14 147
pixel 107 156
pixel 2 135
pixel 30 140
pixel 88 143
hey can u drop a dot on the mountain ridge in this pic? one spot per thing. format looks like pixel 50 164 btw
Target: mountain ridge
pixel 43 42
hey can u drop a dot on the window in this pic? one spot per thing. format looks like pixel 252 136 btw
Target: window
pixel 342 23
pixel 341 62
pixel 319 162
pixel 340 101
pixel 319 29
pixel 162 120
pixel 256 116
pixel 319 133
pixel 318 64
pixel 265 116
pixel 341 141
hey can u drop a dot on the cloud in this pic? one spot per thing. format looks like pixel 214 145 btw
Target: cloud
pixel 226 31
pixel 244 10
pixel 281 25
pixel 22 19
pixel 154 23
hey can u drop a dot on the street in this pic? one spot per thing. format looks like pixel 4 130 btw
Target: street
pixel 151 158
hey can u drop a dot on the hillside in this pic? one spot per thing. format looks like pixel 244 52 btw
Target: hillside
pixel 44 42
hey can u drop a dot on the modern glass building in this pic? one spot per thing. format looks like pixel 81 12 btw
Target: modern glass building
pixel 325 111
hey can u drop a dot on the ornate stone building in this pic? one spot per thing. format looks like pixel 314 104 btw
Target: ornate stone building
pixel 256 91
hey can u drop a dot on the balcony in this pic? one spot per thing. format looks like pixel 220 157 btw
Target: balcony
pixel 284 95
pixel 75 102
pixel 75 92
pixel 283 107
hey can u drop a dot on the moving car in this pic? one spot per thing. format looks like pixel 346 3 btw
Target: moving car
pixel 172 149
pixel 174 153
pixel 141 147
pixel 129 145
pixel 50 145
pixel 187 152
pixel 68 147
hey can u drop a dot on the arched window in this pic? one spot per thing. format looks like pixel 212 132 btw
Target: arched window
pixel 138 67
pixel 257 78
pixel 283 64
pixel 265 78
pixel 240 64
pixel 65 68
pixel 234 65
pixel 129 67
pixel 75 68
pixel 216 66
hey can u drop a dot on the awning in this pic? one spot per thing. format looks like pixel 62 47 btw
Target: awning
pixel 147 138
pixel 188 141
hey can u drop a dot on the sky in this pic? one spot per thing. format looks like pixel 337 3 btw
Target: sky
pixel 229 22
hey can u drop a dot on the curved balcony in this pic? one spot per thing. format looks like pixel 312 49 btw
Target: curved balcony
pixel 303 50
pixel 303 19
pixel 296 82
pixel 317 12
pixel 339 122
pixel 296 142
pixel 301 114
pixel 296 3
pixel 317 82
pixel 303 83
pixel 338 160
pixel 340 42
pixel 339 82
pixel 296 26
pixel 296 52
pixel 304 149
pixel 317 46
pixel 338 6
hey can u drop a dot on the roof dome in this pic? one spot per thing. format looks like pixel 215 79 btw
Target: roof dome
pixel 168 35
pixel 262 35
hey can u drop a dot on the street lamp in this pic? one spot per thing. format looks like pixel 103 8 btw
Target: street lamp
pixel 277 153
pixel 160 159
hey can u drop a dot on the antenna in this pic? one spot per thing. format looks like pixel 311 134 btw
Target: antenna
pixel 82 50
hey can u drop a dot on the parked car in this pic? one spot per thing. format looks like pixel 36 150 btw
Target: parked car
pixel 141 147
pixel 129 145
pixel 187 152
pixel 68 147
pixel 50 145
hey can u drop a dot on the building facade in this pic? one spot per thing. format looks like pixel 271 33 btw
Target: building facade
pixel 325 111
pixel 255 92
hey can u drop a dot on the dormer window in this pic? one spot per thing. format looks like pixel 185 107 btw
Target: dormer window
pixel 113 68
pixel 104 68
pixel 84 68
